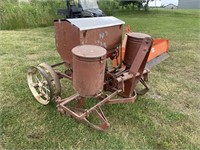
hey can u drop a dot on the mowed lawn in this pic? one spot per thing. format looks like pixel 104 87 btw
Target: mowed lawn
pixel 167 117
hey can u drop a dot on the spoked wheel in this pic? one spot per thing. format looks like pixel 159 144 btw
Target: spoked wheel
pixel 44 83
pixel 53 77
pixel 40 85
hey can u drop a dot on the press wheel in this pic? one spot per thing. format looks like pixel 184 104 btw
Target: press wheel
pixel 40 85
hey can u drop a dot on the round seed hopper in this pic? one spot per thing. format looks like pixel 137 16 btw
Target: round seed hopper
pixel 134 41
pixel 89 63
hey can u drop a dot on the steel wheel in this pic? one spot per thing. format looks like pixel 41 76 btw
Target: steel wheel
pixel 40 85
pixel 53 77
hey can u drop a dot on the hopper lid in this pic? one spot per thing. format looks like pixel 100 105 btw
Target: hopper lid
pixel 138 35
pixel 95 22
pixel 89 51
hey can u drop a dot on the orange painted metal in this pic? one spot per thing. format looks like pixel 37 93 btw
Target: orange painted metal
pixel 160 46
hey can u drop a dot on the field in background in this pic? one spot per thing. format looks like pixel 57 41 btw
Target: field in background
pixel 37 13
pixel 28 15
pixel 167 117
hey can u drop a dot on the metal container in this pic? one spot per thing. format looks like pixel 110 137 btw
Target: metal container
pixel 102 31
pixel 89 62
pixel 134 42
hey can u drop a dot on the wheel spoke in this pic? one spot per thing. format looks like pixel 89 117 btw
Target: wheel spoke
pixel 42 78
pixel 45 94
pixel 36 78
pixel 47 97
pixel 40 89
pixel 35 85
pixel 44 82
pixel 44 87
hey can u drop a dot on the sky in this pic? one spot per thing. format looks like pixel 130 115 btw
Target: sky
pixel 166 2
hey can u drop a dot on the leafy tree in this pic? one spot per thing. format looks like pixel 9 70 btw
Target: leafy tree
pixel 135 3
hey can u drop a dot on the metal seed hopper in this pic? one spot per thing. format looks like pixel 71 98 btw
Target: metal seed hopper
pixel 87 46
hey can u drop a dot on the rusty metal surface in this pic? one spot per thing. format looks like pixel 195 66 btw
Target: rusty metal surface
pixel 138 65
pixel 134 41
pixel 127 79
pixel 69 35
pixel 108 37
pixel 66 38
pixel 89 51
pixel 88 71
pixel 131 99
pixel 138 35
pixel 82 114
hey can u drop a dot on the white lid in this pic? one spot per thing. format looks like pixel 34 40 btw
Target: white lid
pixel 95 22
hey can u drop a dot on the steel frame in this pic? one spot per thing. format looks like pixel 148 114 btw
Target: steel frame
pixel 119 81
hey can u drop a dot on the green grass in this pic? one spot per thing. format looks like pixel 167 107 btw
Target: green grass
pixel 28 15
pixel 167 117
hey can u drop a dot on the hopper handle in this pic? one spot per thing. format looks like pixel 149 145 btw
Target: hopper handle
pixel 101 60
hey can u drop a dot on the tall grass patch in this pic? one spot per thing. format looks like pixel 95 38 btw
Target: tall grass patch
pixel 27 15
